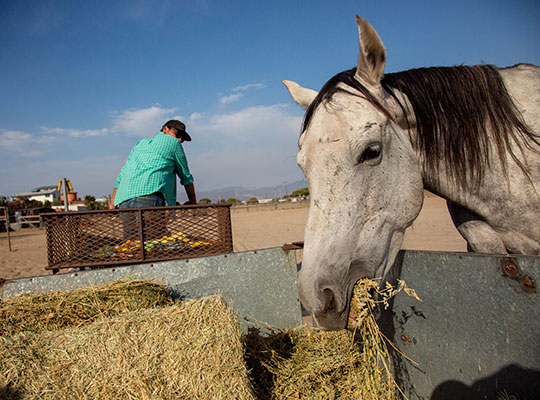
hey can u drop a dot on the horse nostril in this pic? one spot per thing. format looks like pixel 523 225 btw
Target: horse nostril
pixel 329 300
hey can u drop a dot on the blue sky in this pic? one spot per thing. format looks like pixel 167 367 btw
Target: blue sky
pixel 82 81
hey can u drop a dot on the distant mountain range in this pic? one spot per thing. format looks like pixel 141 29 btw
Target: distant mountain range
pixel 242 193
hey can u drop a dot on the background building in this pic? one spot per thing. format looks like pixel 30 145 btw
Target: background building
pixel 42 193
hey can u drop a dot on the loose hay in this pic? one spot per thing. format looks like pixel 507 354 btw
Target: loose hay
pixel 312 364
pixel 61 309
pixel 188 351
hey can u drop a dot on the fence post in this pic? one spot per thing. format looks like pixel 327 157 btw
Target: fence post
pixel 141 234
pixel 7 227
pixel 66 202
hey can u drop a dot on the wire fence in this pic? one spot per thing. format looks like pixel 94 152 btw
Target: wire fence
pixel 109 237
pixel 274 206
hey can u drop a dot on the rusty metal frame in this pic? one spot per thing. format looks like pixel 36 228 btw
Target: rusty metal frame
pixel 129 236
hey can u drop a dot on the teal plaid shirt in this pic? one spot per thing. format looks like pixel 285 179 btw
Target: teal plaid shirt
pixel 152 167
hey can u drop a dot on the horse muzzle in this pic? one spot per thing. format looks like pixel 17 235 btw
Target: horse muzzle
pixel 329 311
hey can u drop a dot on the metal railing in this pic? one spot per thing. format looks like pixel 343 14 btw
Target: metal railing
pixel 273 206
pixel 33 220
pixel 110 237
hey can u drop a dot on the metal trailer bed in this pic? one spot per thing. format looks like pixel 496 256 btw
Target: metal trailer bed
pixel 474 335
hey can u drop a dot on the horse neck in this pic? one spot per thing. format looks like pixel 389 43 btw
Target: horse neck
pixel 443 186
pixel 440 184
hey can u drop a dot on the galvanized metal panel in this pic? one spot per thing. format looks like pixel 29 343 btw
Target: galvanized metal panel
pixel 475 335
pixel 261 285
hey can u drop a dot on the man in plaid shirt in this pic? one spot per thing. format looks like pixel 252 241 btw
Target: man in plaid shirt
pixel 148 179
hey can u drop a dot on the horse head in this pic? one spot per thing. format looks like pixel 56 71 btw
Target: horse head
pixel 364 181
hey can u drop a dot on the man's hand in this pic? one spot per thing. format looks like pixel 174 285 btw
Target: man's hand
pixel 190 191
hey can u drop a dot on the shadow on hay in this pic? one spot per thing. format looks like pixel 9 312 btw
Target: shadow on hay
pixel 267 357
pixel 261 353
pixel 9 392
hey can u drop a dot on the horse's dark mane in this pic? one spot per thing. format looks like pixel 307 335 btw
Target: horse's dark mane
pixel 331 87
pixel 458 112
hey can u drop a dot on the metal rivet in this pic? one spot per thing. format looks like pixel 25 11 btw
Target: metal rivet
pixel 406 339
pixel 510 268
pixel 528 284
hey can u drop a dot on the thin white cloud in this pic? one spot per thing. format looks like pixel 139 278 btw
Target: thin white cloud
pixel 143 122
pixel 23 143
pixel 230 98
pixel 235 97
pixel 260 166
pixel 76 132
pixel 255 122
pixel 195 116
pixel 256 147
pixel 12 139
pixel 249 86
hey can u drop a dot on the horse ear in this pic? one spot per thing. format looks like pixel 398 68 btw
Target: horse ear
pixel 372 56
pixel 302 96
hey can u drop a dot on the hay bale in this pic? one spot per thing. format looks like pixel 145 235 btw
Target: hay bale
pixel 36 312
pixel 191 350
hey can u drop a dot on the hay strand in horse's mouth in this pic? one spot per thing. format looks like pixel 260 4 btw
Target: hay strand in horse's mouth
pixel 367 297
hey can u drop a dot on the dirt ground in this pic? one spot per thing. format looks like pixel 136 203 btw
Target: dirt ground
pixel 432 230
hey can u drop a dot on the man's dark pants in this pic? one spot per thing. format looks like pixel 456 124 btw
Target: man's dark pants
pixel 129 221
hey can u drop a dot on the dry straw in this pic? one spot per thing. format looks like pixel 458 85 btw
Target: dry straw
pixel 60 309
pixel 187 351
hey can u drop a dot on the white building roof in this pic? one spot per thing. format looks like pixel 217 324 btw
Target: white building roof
pixel 39 191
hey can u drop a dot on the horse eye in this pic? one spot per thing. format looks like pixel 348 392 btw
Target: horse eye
pixel 372 152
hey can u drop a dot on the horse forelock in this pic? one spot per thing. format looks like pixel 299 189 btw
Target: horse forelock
pixel 332 86
pixel 460 113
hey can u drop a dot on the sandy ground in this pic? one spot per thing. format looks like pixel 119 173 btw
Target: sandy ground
pixel 432 230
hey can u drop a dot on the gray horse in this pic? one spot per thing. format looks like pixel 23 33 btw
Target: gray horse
pixel 371 143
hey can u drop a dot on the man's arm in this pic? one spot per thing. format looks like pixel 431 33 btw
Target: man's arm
pixel 190 191
pixel 111 205
pixel 182 170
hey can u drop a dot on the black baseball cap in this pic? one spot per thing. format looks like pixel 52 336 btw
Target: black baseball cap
pixel 180 129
